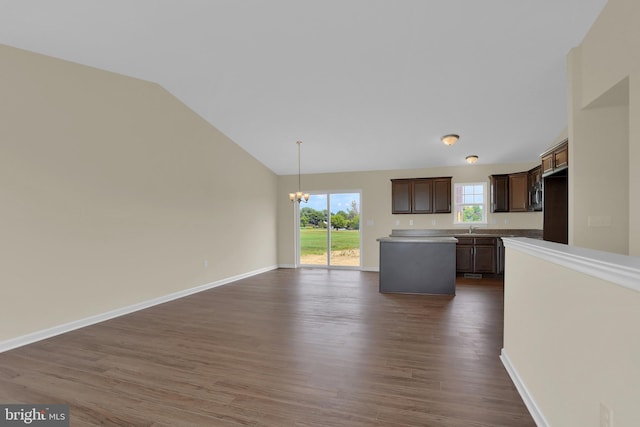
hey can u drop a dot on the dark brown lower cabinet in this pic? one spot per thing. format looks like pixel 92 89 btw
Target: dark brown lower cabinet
pixel 479 255
pixel 486 255
pixel 464 256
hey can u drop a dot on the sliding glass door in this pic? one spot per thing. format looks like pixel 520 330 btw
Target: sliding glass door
pixel 330 230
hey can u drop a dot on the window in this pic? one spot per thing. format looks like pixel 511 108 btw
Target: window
pixel 470 203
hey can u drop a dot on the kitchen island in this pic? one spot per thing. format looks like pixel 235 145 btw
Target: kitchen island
pixel 418 265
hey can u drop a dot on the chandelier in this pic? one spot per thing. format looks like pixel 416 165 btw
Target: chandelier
pixel 299 196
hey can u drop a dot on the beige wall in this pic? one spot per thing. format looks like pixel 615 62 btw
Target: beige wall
pixel 604 131
pixel 113 192
pixel 376 218
pixel 572 338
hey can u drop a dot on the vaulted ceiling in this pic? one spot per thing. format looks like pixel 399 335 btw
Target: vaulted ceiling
pixel 365 84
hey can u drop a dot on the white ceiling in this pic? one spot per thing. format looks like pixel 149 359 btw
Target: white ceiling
pixel 365 84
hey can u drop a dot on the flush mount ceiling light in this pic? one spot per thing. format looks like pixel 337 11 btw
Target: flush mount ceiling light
pixel 471 159
pixel 450 139
pixel 299 196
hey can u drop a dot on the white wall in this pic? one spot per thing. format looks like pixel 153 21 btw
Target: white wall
pixel 376 217
pixel 113 192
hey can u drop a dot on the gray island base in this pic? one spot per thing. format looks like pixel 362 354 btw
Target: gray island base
pixel 418 265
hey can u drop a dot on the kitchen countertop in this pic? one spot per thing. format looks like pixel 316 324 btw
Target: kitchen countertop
pixel 462 232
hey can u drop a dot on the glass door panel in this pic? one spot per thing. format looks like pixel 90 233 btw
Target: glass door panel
pixel 314 238
pixel 345 229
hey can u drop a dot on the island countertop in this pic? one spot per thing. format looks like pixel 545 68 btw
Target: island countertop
pixel 418 239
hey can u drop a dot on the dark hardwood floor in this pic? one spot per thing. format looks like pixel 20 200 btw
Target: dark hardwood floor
pixel 285 348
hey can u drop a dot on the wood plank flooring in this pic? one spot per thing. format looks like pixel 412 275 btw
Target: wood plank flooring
pixel 306 347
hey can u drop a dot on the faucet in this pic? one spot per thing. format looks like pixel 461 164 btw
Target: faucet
pixel 471 228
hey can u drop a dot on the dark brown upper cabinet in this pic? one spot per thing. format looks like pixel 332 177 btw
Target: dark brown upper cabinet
pixel 401 196
pixel 555 159
pixel 519 192
pixel 442 195
pixel 510 192
pixel 421 195
pixel 499 193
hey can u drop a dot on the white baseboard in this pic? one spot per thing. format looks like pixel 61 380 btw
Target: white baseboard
pixel 77 324
pixel 528 400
